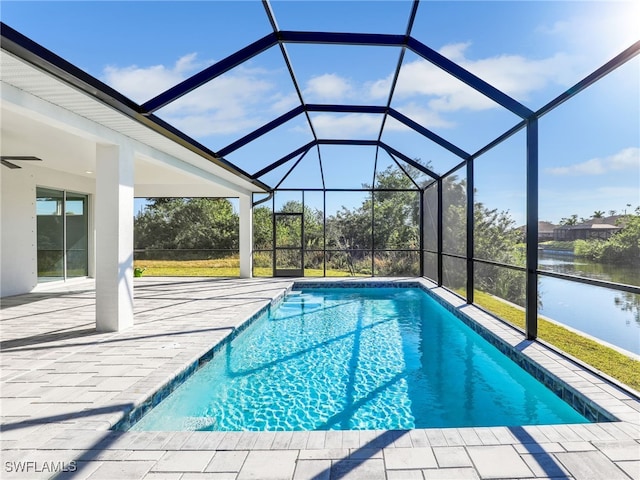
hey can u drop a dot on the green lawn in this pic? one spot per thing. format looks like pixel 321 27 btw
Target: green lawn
pixel 224 267
pixel 603 358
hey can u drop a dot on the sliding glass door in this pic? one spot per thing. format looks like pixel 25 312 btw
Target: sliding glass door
pixel 62 234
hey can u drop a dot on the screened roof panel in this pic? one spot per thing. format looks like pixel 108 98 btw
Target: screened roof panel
pixel 416 176
pixel 275 176
pixel 307 174
pixel 347 166
pixel 343 16
pixel 358 126
pixel 344 74
pixel 235 103
pixel 272 146
pixel 383 161
pixel 418 147
pixel 533 52
pixel 447 106
pixel 386 161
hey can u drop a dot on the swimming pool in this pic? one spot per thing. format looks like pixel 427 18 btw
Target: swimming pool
pixel 356 358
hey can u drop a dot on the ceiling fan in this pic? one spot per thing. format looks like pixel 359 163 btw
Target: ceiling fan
pixel 4 159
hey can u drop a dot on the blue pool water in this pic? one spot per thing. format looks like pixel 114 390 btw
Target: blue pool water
pixel 348 359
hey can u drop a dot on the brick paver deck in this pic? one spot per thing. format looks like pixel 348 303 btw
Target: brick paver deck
pixel 63 385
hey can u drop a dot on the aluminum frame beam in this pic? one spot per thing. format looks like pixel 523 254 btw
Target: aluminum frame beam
pixel 469 78
pixel 531 311
pixel 210 73
pixel 342 38
pixel 429 134
pixel 266 128
pixel 410 161
pixel 283 160
pixel 620 59
pixel 365 109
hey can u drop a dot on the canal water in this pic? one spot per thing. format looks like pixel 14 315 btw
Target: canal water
pixel 607 314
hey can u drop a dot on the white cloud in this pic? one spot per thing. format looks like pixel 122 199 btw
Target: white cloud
pixel 225 105
pixel 284 103
pixel 143 83
pixel 590 167
pixel 626 159
pixel 518 76
pixel 425 117
pixel 327 87
pixel 514 75
pixel 625 194
pixel 455 51
pixel 425 92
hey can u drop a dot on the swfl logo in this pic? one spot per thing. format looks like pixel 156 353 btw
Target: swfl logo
pixel 28 466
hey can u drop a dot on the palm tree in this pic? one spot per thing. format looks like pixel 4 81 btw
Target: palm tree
pixel 598 214
pixel 572 220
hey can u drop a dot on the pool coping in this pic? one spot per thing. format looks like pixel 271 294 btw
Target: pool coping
pixel 571 381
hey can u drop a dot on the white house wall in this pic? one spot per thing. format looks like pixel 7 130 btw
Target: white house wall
pixel 18 255
pixel 18 232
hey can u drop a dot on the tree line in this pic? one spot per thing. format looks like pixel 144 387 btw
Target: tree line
pixel 622 247
pixel 382 233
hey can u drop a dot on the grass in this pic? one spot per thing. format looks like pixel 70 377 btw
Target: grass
pixel 223 267
pixel 603 358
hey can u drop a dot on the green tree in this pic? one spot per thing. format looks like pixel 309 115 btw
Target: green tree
pixel 313 225
pixel 187 223
pixel 350 228
pixel 262 228
pixel 396 213
pixel 387 219
pixel 622 247
pixel 497 239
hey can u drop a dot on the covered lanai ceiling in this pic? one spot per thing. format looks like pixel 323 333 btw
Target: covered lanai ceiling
pixel 326 94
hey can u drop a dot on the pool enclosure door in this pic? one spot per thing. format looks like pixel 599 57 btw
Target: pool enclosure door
pixel 288 259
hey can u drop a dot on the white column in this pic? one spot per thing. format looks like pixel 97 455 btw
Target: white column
pixel 246 236
pixel 114 237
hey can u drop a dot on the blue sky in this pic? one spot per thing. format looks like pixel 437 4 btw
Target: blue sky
pixel 533 51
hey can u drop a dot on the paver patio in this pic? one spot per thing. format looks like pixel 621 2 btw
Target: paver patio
pixel 63 385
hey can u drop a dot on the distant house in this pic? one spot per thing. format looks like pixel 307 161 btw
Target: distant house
pixel 545 231
pixel 596 228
